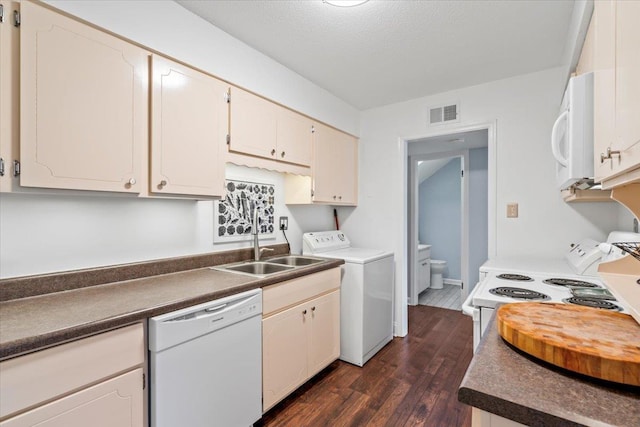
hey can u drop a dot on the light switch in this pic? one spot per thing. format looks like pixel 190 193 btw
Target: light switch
pixel 512 210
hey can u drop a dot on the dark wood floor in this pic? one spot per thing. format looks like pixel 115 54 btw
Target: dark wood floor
pixel 412 381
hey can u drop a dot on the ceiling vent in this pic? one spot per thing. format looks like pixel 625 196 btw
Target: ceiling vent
pixel 444 114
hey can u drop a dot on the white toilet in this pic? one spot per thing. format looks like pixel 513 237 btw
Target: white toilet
pixel 437 268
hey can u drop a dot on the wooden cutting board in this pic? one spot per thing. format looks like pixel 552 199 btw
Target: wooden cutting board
pixel 591 341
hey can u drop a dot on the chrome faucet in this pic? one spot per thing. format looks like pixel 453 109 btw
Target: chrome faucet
pixel 257 252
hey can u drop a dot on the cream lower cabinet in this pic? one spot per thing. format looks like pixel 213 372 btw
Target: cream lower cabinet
pixel 189 127
pixel 299 339
pixel 95 381
pixel 616 61
pixel 83 105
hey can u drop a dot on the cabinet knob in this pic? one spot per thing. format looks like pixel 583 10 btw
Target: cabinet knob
pixel 340 197
pixel 131 182
pixel 609 154
pixel 334 197
pixel 313 308
pixel 162 184
pixel 282 154
pixel 273 152
pixel 304 312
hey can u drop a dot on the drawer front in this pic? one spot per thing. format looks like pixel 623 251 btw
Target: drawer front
pixel 286 294
pixel 44 375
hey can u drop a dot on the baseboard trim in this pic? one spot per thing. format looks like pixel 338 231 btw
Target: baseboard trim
pixel 454 282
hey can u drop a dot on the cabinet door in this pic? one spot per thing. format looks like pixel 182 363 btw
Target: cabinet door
pixel 252 124
pixel 9 95
pixel 114 403
pixel 348 169
pixel 324 333
pixel 295 137
pixel 284 353
pixel 334 166
pixel 627 78
pixel 84 105
pixel 189 127
pixel 604 84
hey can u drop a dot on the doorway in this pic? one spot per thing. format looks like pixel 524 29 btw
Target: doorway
pixel 448 212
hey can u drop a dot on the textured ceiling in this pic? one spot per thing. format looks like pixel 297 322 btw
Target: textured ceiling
pixel 388 51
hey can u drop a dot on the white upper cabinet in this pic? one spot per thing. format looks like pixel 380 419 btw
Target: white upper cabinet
pixel 189 126
pixel 335 167
pixel 252 124
pixel 84 105
pixel 616 92
pixel 9 95
pixel 261 128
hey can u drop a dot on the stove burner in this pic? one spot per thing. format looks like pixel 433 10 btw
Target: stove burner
pixel 569 282
pixel 518 293
pixel 592 302
pixel 517 277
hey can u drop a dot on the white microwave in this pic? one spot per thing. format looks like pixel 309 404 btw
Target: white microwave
pixel 572 133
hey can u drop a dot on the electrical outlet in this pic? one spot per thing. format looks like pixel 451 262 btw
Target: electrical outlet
pixel 284 223
pixel 512 210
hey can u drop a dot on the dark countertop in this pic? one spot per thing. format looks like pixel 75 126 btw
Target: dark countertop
pixel 508 383
pixel 35 322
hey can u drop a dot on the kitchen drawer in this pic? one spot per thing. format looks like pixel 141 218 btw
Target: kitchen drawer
pixel 286 294
pixel 37 377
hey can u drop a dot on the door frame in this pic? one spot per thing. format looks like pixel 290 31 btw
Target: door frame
pixel 401 291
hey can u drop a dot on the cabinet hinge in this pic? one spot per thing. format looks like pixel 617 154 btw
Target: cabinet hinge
pixel 1 13
pixel 312 193
pixel 144 381
pixel 16 18
pixel 228 139
pixel 16 168
pixel 227 96
pixel 462 174
pixel 313 129
pixel 1 166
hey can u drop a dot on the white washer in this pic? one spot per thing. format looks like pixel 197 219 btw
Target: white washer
pixel 366 294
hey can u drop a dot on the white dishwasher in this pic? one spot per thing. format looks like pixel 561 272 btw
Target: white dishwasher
pixel 205 364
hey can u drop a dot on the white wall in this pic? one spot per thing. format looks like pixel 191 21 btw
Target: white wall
pixel 524 109
pixel 46 233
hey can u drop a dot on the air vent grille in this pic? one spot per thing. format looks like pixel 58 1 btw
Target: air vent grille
pixel 444 114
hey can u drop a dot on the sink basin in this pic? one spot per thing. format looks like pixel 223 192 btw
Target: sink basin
pixel 293 260
pixel 257 268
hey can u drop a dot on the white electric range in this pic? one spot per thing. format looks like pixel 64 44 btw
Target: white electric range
pixel 510 280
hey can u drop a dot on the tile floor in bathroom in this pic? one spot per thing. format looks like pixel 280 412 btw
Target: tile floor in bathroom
pixel 447 297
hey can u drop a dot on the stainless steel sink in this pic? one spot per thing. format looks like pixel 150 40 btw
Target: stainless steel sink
pixel 257 268
pixel 269 266
pixel 294 260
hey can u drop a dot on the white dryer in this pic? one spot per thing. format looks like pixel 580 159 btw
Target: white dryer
pixel 366 294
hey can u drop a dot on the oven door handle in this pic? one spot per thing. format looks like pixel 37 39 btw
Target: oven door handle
pixel 468 308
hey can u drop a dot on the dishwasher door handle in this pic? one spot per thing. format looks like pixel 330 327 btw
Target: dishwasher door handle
pixel 216 308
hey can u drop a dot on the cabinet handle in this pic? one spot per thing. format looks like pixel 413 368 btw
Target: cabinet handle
pixel 131 182
pixel 340 197
pixel 282 154
pixel 334 197
pixel 304 312
pixel 273 152
pixel 609 154
pixel 426 263
pixel 162 184
pixel 313 308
